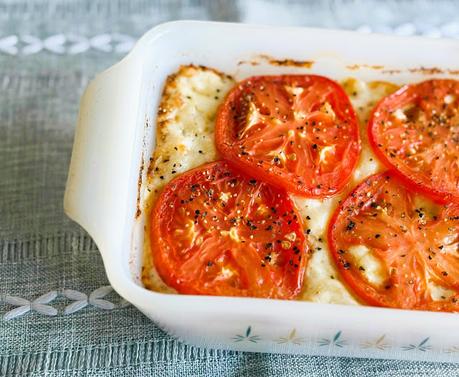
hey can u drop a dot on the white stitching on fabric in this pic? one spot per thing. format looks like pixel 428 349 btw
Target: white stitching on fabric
pixel 65 44
pixel 80 301
pixel 447 30
pixel 24 306
pixel 94 299
pixel 72 44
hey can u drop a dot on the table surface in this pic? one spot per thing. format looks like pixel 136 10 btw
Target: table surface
pixel 58 316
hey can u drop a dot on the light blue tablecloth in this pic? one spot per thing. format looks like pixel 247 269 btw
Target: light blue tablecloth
pixel 57 315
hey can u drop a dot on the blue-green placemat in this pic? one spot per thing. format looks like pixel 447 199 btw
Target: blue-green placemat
pixel 58 316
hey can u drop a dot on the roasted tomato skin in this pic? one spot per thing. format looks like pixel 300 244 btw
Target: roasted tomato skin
pixel 298 132
pixel 216 231
pixel 413 249
pixel 414 132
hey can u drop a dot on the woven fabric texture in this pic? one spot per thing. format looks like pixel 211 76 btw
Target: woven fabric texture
pixel 49 51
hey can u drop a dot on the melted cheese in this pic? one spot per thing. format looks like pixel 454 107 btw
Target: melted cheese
pixel 185 139
pixel 369 264
pixel 185 132
pixel 322 282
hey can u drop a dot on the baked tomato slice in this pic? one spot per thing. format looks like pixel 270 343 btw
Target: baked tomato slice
pixel 216 231
pixel 395 249
pixel 298 132
pixel 416 132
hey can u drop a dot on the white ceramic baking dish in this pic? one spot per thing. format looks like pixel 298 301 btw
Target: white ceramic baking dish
pixel 116 135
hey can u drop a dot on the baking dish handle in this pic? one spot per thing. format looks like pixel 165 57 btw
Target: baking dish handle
pixel 99 173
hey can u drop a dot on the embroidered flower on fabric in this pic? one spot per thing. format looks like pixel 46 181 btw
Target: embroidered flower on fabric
pixel 24 306
pixel 81 300
pixel 65 44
